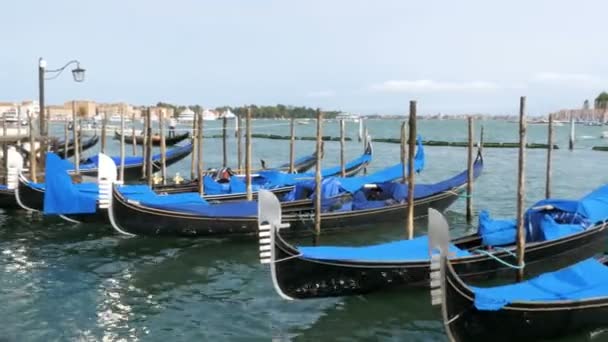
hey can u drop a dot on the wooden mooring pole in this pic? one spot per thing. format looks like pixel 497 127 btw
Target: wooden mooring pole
pixel 469 209
pixel 239 145
pixel 121 174
pixel 102 145
pixel 292 145
pixel 76 134
pixel 342 142
pixel 403 152
pixel 193 164
pixel 366 139
pixel 163 146
pixel 318 174
pixel 199 154
pixel 66 140
pixel 549 157
pixel 144 145
pixel 248 156
pixel 149 147
pixel 133 137
pixel 224 152
pixel 571 140
pixel 410 167
pixel 33 165
pixel 521 183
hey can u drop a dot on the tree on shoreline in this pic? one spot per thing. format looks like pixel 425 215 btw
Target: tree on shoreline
pixel 601 101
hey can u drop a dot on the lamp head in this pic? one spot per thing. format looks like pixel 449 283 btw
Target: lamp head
pixel 78 73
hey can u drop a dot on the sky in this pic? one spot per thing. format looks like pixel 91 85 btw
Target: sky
pixel 453 57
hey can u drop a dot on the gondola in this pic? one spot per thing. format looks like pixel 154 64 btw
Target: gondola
pixel 309 272
pixel 276 180
pixel 555 304
pixel 139 138
pixel 133 165
pixel 142 217
pixel 58 146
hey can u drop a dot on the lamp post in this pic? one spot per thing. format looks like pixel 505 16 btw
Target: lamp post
pixel 77 73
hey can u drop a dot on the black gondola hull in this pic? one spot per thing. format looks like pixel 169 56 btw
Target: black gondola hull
pixel 302 278
pixel 519 321
pixel 139 139
pixel 136 219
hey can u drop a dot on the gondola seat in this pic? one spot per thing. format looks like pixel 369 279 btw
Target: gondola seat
pixel 402 250
pixel 553 230
pixel 583 280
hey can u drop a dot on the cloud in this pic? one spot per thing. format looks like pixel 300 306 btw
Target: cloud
pixel 558 77
pixel 321 93
pixel 398 86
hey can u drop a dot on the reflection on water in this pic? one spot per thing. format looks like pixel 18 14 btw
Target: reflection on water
pixel 60 281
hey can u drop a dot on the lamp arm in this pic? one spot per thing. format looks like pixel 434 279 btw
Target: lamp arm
pixel 60 70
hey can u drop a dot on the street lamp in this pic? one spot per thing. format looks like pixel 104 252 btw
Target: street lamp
pixel 77 73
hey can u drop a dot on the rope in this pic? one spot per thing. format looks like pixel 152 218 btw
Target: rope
pixel 484 252
pixel 289 257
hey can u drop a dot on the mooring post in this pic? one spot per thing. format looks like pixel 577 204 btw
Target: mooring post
pixel 104 120
pixel 121 174
pixel 32 149
pixel 193 168
pixel 469 213
pixel 76 135
pixel 149 167
pixel 163 146
pixel 571 140
pixel 292 145
pixel 360 129
pixel 5 145
pixel 549 156
pixel 199 154
pixel 144 143
pixel 342 167
pixel 403 151
pixel 239 145
pixel 318 174
pixel 66 139
pixel 224 152
pixel 133 137
pixel 410 166
pixel 365 142
pixel 521 183
pixel 248 156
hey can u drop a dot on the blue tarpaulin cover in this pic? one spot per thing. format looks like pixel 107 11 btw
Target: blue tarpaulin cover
pixel 402 250
pixel 549 219
pixel 61 196
pixel 586 279
pixel 496 232
pixel 190 203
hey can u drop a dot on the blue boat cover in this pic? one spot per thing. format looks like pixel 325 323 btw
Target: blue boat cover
pixel 496 232
pixel 190 203
pixel 549 219
pixel 61 196
pixel 584 280
pixel 389 174
pixel 397 251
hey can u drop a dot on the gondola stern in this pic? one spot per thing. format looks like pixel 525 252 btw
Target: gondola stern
pixel 269 223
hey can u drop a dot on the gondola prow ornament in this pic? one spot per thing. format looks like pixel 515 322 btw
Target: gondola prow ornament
pixel 439 242
pixel 269 220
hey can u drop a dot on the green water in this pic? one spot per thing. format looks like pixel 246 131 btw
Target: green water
pixel 60 281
